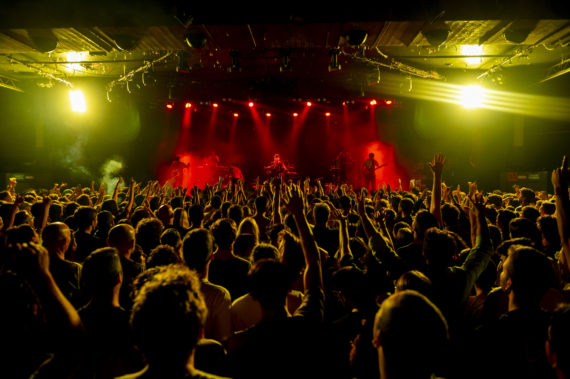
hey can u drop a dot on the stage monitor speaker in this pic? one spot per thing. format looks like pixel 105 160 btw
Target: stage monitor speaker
pixel 536 180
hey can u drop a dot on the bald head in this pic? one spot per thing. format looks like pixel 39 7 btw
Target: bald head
pixel 122 237
pixel 56 237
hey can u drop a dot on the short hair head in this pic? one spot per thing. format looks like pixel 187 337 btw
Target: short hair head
pixel 197 249
pixel 101 271
pixel 168 316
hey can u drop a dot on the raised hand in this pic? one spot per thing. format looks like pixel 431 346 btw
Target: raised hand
pixel 560 177
pixel 437 163
pixel 293 200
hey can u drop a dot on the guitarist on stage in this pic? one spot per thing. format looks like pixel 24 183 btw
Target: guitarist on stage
pixel 369 168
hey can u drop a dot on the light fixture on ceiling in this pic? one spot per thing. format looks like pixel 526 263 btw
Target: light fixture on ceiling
pixel 519 30
pixel 355 37
pixel 436 33
pixel 196 40
pixel 334 64
pixel 235 66
pixel 43 41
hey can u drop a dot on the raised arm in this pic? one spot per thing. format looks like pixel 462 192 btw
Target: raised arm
pixel 369 228
pixel 116 191
pixel 276 205
pixel 12 216
pixel 560 184
pixel 313 278
pixel 436 166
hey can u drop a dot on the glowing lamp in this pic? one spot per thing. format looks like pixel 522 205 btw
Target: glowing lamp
pixel 169 106
pixel 472 97
pixel 188 105
pixel 77 101
pixel 388 102
pixel 309 103
pixel 215 105
pixel 295 114
pixel 372 102
pixel 250 104
pixel 268 114
pixel 328 114
pixel 236 115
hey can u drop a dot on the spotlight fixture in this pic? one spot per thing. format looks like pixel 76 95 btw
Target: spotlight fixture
pixel 195 40
pixel 334 65
pixel 250 104
pixel 436 33
pixel 236 115
pixel 372 102
pixel 43 41
pixel 519 30
pixel 309 103
pixel 235 67
pixel 388 102
pixel 355 37
pixel 77 101
pixel 295 114
pixel 215 105
pixel 268 114
pixel 328 114
pixel 188 105
pixel 170 105
pixel 285 55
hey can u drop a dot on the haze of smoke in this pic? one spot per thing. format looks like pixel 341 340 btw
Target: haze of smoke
pixel 73 155
pixel 110 171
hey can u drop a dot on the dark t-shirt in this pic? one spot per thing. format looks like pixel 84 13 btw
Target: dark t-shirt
pixel 326 238
pixel 230 274
pixel 109 345
pixel 285 347
pixel 86 244
pixel 67 275
pixel 131 270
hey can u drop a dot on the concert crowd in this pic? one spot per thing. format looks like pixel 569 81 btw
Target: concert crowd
pixel 285 279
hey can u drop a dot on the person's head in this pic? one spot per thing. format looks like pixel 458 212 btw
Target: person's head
pixel 422 222
pixel 530 212
pixel 148 234
pixel 439 248
pixel 291 252
pixel 345 203
pixel 162 255
pixel 55 212
pixel 558 342
pixel 276 158
pixel 56 237
pixel 85 217
pixel 321 213
pixel 548 228
pixel 216 202
pixel 105 220
pixel 414 280
pixel 111 206
pixel 523 227
pixel 526 276
pixel 101 272
pixel 171 237
pixel 180 219
pixel 547 208
pixel 404 237
pixel 269 283
pixel 122 237
pixel 264 251
pixel 495 200
pixel 84 200
pixel 406 206
pixel 527 196
pixel 235 212
pixel 371 155
pixel 411 336
pixel 260 204
pixel 249 226
pixel 198 249
pixel 138 215
pixel 449 214
pixel 196 215
pixel 351 288
pixel 243 245
pixel 168 317
pixel 224 232
pixel 165 214
pixel 23 218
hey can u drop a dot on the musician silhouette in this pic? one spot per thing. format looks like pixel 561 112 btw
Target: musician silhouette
pixel 369 168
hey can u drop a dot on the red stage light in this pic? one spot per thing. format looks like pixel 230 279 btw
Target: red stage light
pixel 372 102
pixel 344 103
pixel 295 114
pixel 169 106
pixel 268 114
pixel 188 105
pixel 250 104
pixel 236 115
pixel 388 102
pixel 309 103
pixel 328 114
pixel 215 105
